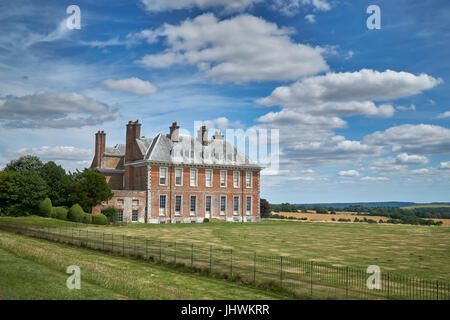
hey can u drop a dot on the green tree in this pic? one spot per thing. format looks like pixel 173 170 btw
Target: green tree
pixel 58 183
pixel 25 163
pixel 111 213
pixel 21 192
pixel 45 207
pixel 264 207
pixel 89 188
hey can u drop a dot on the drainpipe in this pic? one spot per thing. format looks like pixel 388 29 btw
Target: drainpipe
pixel 170 194
pixel 242 186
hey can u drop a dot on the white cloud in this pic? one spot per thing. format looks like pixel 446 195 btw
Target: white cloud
pixel 367 178
pixel 221 123
pixel 410 108
pixel 404 158
pixel 421 171
pixel 292 7
pixel 420 139
pixel 133 85
pixel 240 49
pixel 294 117
pixel 361 86
pixel 444 165
pixel 446 114
pixel 348 173
pixel 56 110
pixel 227 5
pixel 310 18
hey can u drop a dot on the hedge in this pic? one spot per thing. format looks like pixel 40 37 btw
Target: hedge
pixel 99 219
pixel 45 207
pixel 61 213
pixel 75 213
pixel 86 218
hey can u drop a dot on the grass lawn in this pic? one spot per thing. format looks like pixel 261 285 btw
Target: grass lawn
pixel 420 251
pixel 35 269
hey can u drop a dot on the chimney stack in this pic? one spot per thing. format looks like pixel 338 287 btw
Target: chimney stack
pixel 174 132
pixel 203 135
pixel 218 136
pixel 133 133
pixel 100 145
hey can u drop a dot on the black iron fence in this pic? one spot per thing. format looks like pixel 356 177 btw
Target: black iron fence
pixel 305 279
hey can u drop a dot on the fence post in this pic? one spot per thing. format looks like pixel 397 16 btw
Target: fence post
pixel 210 258
pixel 192 254
pixel 146 249
pixel 72 236
pixel 231 263
pixel 281 271
pixel 346 282
pixel 103 241
pixel 87 236
pixel 112 242
pixel 254 267
pixel 311 278
pixel 437 289
pixel 123 245
pixel 388 286
pixel 134 246
pixel 160 250
pixel 175 252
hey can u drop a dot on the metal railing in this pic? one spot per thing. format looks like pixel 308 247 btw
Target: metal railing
pixel 304 279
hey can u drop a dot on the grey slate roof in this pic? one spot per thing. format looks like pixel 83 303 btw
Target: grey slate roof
pixel 188 150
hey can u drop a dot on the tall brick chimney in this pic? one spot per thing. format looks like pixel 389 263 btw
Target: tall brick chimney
pixel 174 132
pixel 100 145
pixel 203 135
pixel 133 133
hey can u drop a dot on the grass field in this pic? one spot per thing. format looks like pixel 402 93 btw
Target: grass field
pixel 427 206
pixel 420 251
pixel 35 269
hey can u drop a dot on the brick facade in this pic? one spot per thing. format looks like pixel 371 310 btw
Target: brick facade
pixel 146 191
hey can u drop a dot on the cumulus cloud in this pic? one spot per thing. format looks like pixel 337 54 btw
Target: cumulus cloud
pixel 227 5
pixel 444 165
pixel 292 7
pixel 348 173
pixel 222 123
pixel 444 115
pixel 310 18
pixel 404 158
pixel 420 139
pixel 240 49
pixel 133 85
pixel 367 178
pixel 55 110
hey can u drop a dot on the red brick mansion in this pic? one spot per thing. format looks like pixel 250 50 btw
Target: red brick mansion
pixel 174 178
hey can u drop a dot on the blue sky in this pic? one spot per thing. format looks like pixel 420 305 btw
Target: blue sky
pixel 363 115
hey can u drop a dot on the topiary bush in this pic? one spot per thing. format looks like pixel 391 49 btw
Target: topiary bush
pixel 45 208
pixel 99 219
pixel 75 213
pixel 86 218
pixel 53 213
pixel 61 213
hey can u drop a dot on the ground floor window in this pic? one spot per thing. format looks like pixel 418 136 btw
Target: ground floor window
pixel 223 205
pixel 208 205
pixel 236 205
pixel 120 216
pixel 134 216
pixel 248 209
pixel 178 205
pixel 162 205
pixel 193 205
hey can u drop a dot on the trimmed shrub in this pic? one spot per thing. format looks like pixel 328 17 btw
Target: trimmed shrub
pixel 53 214
pixel 75 213
pixel 111 214
pixel 61 213
pixel 86 218
pixel 99 219
pixel 45 208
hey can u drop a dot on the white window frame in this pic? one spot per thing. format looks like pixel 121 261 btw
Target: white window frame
pixel 238 179
pixel 120 216
pixel 181 184
pixel 249 186
pixel 192 213
pixel 196 177
pixel 167 172
pixel 210 205
pixel 137 217
pixel 224 212
pixel 162 213
pixel 248 212
pixel 180 213
pixel 206 178
pixel 236 213
pixel 220 178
